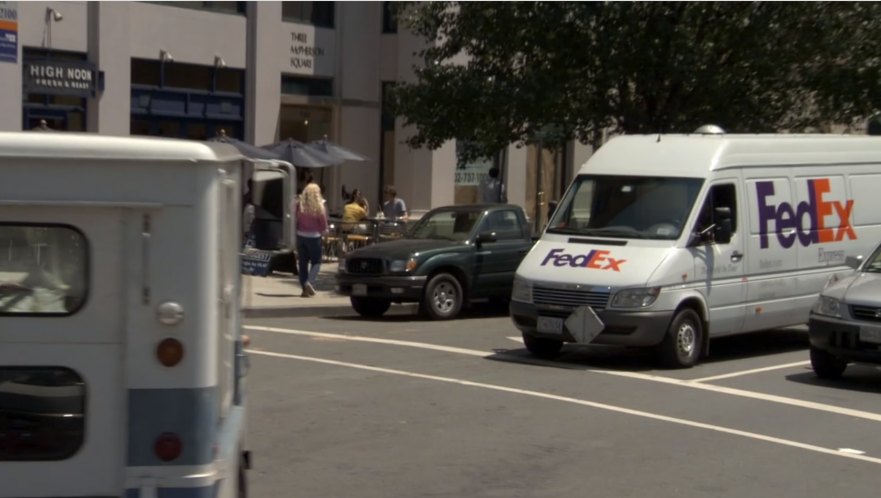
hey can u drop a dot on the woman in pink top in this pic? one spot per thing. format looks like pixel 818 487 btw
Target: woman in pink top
pixel 311 225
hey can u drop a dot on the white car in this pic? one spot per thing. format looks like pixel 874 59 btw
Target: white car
pixel 845 322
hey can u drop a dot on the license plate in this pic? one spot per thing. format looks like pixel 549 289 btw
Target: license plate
pixel 359 289
pixel 870 334
pixel 550 325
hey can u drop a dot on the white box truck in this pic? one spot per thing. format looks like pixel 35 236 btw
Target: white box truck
pixel 667 241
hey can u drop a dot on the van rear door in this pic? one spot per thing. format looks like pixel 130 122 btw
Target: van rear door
pixel 62 391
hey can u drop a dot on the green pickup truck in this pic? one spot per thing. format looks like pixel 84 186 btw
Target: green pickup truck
pixel 451 256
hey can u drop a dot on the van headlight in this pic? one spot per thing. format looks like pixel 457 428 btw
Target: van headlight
pixel 522 290
pixel 636 298
pixel 402 265
pixel 828 306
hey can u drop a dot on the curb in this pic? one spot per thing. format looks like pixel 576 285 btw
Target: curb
pixel 298 311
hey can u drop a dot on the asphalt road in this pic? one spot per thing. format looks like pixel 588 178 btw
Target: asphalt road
pixel 405 407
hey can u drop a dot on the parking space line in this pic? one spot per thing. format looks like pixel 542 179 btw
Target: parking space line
pixel 583 402
pixel 875 417
pixel 754 370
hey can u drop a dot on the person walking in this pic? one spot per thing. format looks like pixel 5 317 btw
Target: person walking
pixel 311 225
pixel 491 188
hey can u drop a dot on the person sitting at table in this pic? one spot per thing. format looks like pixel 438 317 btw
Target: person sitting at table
pixel 358 197
pixel 353 213
pixel 394 207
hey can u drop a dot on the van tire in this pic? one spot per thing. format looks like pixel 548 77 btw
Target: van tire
pixel 547 349
pixel 826 365
pixel 242 479
pixel 370 306
pixel 443 298
pixel 682 346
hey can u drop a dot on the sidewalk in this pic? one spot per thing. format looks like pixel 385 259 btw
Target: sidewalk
pixel 278 295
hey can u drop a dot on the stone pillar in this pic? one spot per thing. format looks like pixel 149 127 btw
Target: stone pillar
pixel 262 78
pixel 109 113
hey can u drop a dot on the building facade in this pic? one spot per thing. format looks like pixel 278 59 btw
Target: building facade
pixel 260 71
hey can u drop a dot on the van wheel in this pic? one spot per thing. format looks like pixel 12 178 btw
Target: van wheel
pixel 547 349
pixel 681 347
pixel 827 365
pixel 370 306
pixel 443 297
pixel 242 480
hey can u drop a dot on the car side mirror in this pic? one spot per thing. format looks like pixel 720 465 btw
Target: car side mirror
pixel 485 237
pixel 853 261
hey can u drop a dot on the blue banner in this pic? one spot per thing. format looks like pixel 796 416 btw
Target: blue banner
pixel 8 32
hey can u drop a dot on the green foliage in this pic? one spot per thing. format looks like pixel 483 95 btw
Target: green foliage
pixel 496 73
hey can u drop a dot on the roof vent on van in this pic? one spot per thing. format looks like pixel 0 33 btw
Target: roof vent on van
pixel 710 129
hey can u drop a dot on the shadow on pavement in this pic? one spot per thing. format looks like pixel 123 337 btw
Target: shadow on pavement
pixel 723 349
pixel 857 377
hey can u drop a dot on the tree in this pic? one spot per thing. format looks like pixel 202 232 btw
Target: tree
pixel 497 73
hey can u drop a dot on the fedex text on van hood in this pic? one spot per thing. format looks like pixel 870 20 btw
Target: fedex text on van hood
pixel 811 219
pixel 596 259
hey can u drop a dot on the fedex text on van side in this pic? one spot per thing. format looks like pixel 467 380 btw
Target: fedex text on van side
pixel 595 259
pixel 810 219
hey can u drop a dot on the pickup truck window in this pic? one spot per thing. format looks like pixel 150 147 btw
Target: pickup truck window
pixel 43 269
pixel 446 225
pixel 638 207
pixel 504 224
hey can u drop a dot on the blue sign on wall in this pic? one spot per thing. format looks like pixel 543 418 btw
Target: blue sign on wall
pixel 8 32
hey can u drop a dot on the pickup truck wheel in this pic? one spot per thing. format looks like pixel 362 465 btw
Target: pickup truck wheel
pixel 681 347
pixel 370 306
pixel 826 365
pixel 541 347
pixel 443 297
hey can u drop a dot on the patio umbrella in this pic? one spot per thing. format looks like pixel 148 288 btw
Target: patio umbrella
pixel 336 151
pixel 300 154
pixel 247 150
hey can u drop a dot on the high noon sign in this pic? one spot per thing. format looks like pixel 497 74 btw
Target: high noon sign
pixel 61 78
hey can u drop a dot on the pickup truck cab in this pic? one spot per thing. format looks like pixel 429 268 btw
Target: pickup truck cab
pixel 450 256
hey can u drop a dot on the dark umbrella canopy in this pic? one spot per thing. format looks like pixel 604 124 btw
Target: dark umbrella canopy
pixel 302 155
pixel 247 150
pixel 336 151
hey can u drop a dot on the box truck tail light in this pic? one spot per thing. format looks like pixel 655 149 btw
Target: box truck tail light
pixel 168 446
pixel 170 352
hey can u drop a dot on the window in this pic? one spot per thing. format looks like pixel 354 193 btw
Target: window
pixel 224 7
pixel 720 208
pixel 43 270
pixel 296 85
pixel 626 206
pixel 389 18
pixel 504 224
pixel 43 413
pixel 320 14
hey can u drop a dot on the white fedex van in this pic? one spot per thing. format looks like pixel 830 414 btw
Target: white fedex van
pixel 670 240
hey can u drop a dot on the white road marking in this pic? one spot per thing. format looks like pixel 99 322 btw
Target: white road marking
pixel 875 417
pixel 582 402
pixel 754 370
pixel 852 451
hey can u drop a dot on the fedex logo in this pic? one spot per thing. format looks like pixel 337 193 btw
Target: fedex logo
pixel 594 259
pixel 810 218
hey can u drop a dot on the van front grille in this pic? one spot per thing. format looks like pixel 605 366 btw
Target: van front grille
pixel 570 298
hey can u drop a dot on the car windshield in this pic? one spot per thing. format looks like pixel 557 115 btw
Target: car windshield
pixel 873 264
pixel 635 207
pixel 445 225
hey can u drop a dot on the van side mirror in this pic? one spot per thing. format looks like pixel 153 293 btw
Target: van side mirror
pixel 723 225
pixel 853 261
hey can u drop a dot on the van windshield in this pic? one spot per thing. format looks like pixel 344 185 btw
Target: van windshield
pixel 632 207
